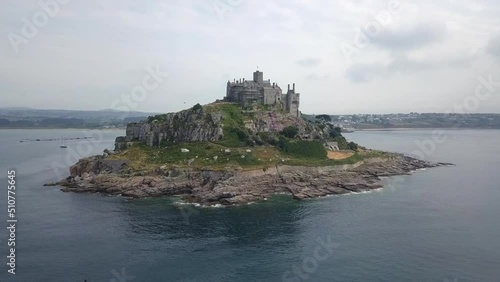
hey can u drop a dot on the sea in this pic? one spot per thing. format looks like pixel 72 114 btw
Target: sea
pixel 440 224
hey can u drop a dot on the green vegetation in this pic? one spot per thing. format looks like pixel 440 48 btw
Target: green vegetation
pixel 324 117
pixel 159 118
pixel 233 116
pixel 199 155
pixel 304 149
pixel 206 155
pixel 352 146
pixel 197 107
pixel 268 138
pixel 342 142
pixel 290 131
pixel 236 137
pixel 335 132
pixel 324 162
pixel 235 133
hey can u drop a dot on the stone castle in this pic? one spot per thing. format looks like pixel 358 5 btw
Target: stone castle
pixel 260 91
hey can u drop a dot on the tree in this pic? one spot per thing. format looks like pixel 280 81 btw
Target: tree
pixel 197 107
pixel 336 132
pixel 324 117
pixel 290 131
pixel 352 146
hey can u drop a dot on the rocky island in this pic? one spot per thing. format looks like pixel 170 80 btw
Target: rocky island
pixel 245 148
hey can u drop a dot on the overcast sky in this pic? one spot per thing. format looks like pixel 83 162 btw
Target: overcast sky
pixel 345 56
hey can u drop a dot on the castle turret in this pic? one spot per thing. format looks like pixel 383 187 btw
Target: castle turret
pixel 258 77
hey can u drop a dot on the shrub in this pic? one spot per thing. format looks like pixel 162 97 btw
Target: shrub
pixel 269 138
pixel 241 133
pixel 197 107
pixel 324 117
pixel 305 149
pixel 258 140
pixel 290 131
pixel 352 146
pixel 336 132
pixel 342 142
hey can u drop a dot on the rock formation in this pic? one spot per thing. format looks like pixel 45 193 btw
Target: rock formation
pixel 210 187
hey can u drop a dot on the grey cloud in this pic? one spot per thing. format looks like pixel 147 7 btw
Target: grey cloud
pixel 401 64
pixel 363 72
pixel 366 72
pixel 493 46
pixel 309 62
pixel 411 38
pixel 314 76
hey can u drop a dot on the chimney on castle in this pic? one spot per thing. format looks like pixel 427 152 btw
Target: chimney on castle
pixel 289 87
pixel 294 87
pixel 274 83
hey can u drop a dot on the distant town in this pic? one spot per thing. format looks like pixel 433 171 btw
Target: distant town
pixel 412 120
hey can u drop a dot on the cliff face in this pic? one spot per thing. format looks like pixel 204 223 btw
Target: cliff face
pixel 264 121
pixel 191 125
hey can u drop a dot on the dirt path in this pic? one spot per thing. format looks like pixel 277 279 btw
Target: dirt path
pixel 339 155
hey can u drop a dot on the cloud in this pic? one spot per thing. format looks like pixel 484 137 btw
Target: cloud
pixel 402 65
pixel 93 52
pixel 493 47
pixel 314 76
pixel 410 38
pixel 309 62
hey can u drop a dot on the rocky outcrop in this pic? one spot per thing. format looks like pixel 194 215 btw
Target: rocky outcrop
pixel 237 187
pixel 192 125
pixel 265 121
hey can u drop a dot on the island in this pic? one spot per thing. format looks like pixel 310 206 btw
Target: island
pixel 245 148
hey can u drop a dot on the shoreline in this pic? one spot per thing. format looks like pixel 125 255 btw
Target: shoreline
pixel 232 188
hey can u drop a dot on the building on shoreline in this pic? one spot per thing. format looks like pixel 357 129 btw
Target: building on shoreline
pixel 260 91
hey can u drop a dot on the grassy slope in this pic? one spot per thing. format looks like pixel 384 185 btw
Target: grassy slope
pixel 202 155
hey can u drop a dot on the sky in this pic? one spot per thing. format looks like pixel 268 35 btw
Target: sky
pixel 345 56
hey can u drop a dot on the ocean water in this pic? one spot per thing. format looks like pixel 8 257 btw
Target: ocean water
pixel 440 224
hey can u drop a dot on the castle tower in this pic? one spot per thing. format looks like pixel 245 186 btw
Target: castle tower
pixel 258 77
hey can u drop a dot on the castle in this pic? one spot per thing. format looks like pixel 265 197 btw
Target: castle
pixel 260 91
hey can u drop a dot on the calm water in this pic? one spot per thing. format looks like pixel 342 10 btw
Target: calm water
pixel 436 225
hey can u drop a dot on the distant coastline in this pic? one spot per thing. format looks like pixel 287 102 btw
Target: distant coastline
pixel 424 128
pixel 75 128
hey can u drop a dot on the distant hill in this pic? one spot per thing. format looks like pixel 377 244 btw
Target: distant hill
pixel 21 117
